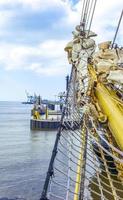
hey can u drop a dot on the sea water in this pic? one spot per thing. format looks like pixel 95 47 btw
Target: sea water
pixel 24 154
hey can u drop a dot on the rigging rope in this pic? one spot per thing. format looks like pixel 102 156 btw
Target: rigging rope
pixel 87 155
pixel 88 9
pixel 85 163
pixel 117 29
pixel 92 15
pixel 83 9
pixel 89 12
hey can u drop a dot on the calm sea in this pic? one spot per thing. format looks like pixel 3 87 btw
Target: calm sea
pixel 24 154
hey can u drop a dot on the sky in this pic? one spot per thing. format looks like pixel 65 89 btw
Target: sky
pixel 33 34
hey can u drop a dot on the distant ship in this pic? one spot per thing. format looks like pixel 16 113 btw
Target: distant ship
pixel 31 99
pixel 34 99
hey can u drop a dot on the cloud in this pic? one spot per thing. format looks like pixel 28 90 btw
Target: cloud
pixel 106 18
pixel 53 22
pixel 32 21
pixel 33 4
pixel 33 34
pixel 5 18
pixel 47 58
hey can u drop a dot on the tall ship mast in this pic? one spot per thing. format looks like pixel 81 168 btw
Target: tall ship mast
pixel 87 158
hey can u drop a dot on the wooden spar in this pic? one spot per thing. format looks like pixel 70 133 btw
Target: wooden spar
pixel 110 107
pixel 113 112
pixel 80 166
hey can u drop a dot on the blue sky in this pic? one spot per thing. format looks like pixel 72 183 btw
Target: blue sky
pixel 33 34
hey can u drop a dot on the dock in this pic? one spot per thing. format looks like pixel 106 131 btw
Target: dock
pixel 52 124
pixel 44 124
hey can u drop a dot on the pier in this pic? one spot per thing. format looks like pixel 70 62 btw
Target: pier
pixel 46 124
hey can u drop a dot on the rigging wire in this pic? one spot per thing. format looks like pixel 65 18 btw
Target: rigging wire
pixel 90 11
pixel 85 12
pixel 117 29
pixel 83 9
pixel 94 7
